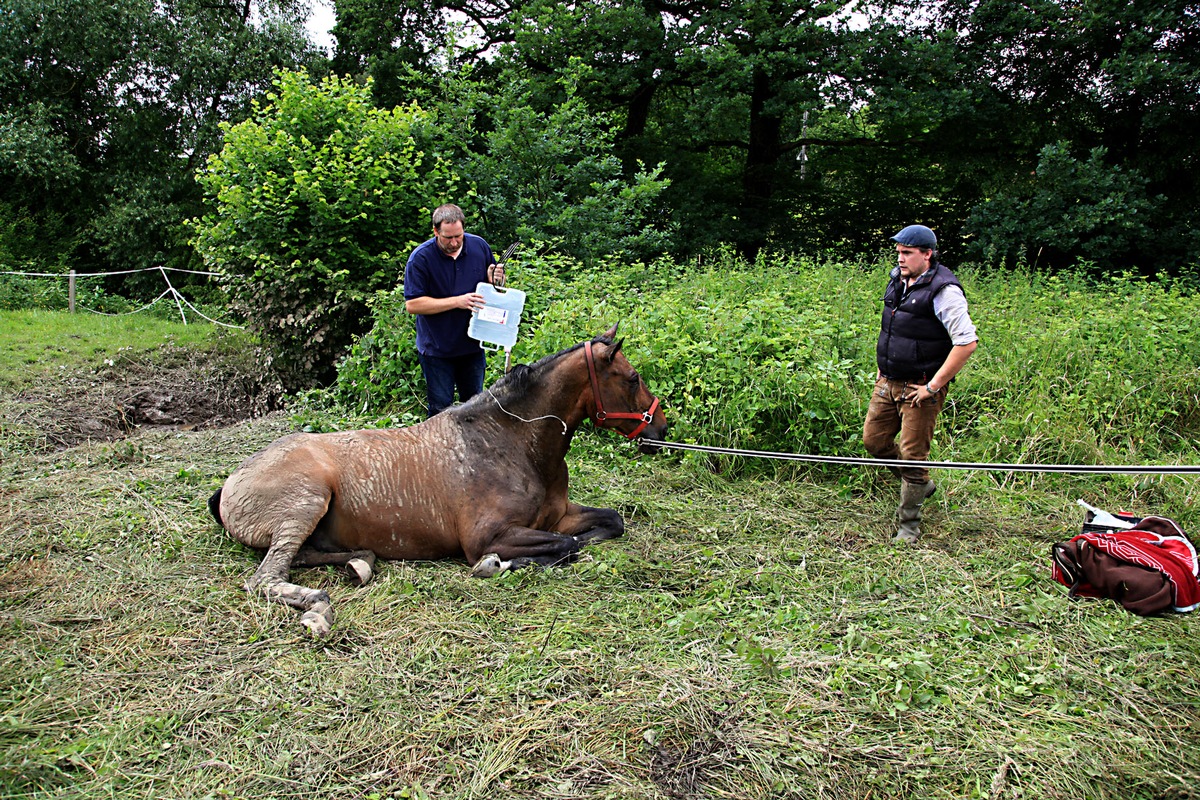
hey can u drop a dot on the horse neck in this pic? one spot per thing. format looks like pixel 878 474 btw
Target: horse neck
pixel 567 392
pixel 558 410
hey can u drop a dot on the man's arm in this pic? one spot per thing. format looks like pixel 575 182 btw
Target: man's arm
pixel 951 308
pixel 953 363
pixel 468 302
pixel 436 305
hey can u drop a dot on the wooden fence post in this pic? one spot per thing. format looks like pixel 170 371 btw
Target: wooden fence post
pixel 71 292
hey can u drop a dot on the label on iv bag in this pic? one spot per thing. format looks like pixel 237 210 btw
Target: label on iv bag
pixel 499 316
pixel 497 322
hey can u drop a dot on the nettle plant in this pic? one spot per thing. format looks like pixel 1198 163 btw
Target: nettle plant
pixel 381 372
pixel 779 355
pixel 741 354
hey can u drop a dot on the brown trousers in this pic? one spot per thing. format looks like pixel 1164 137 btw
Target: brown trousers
pixel 890 414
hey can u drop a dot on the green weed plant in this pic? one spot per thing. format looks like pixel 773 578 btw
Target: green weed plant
pixel 778 355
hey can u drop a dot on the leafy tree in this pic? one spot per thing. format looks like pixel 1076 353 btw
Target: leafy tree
pixel 553 176
pixel 745 102
pixel 1122 77
pixel 811 124
pixel 108 107
pixel 314 205
pixel 1073 209
pixel 406 42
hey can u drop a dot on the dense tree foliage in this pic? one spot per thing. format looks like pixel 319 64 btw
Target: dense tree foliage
pixel 107 109
pixel 816 125
pixel 1046 132
pixel 1108 90
pixel 547 173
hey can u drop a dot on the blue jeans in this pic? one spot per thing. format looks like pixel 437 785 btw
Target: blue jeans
pixel 444 375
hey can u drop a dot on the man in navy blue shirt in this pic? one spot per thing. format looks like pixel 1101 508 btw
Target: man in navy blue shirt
pixel 439 288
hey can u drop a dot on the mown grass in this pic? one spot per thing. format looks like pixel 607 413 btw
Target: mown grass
pixel 755 635
pixel 33 343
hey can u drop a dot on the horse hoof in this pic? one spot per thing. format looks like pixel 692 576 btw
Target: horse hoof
pixel 359 572
pixel 318 619
pixel 489 566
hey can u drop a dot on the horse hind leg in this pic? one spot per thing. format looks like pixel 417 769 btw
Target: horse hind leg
pixel 271 580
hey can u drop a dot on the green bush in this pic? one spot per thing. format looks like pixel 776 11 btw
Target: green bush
pixel 778 355
pixel 315 204
pixel 745 356
pixel 553 175
pixel 22 293
pixel 381 372
pixel 1072 370
pixel 1071 209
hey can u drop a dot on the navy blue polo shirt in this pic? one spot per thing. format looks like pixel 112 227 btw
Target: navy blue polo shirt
pixel 431 273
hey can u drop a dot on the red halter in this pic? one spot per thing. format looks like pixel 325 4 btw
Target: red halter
pixel 601 415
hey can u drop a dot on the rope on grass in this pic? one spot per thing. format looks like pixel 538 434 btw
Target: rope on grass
pixel 1151 469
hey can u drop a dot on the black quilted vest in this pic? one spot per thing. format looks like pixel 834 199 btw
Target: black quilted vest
pixel 913 343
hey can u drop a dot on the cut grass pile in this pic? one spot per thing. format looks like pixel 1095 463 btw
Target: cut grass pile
pixel 751 639
pixel 755 635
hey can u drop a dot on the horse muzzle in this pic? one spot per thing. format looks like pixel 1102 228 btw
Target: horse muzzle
pixel 656 431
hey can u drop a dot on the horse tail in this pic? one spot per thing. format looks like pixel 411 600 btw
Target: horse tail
pixel 214 507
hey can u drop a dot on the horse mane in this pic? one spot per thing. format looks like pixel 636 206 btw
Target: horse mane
pixel 524 378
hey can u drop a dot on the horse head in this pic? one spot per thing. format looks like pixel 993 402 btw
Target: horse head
pixel 620 399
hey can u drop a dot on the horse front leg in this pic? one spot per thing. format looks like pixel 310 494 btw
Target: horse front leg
pixel 517 546
pixel 589 524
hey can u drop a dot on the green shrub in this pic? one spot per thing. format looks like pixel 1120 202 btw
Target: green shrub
pixel 1072 208
pixel 1072 370
pixel 315 204
pixel 778 355
pixel 22 293
pixel 381 372
pixel 745 356
pixel 553 175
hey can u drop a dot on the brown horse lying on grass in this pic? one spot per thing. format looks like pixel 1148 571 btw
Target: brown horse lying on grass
pixel 486 480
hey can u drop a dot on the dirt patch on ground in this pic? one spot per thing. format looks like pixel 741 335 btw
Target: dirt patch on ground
pixel 169 388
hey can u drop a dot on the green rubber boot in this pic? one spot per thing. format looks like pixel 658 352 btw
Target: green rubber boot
pixel 912 495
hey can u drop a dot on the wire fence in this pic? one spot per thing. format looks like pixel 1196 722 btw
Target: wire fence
pixel 170 294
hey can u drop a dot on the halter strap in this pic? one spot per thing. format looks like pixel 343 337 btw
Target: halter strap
pixel 601 415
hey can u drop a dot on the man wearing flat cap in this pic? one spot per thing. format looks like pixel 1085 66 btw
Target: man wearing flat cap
pixel 925 337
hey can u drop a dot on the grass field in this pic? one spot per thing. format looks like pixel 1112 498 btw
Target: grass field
pixel 753 636
pixel 35 342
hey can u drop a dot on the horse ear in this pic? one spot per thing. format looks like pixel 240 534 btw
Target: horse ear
pixel 611 333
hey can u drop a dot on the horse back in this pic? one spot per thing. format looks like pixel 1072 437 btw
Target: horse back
pixel 397 492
